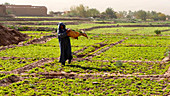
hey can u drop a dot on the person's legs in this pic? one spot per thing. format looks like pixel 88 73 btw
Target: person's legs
pixel 69 61
pixel 63 63
pixel 70 58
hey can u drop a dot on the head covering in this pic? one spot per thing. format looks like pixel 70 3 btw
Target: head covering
pixel 61 24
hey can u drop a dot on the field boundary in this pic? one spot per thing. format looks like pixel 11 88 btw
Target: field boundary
pixel 104 49
pixel 41 40
pixel 114 26
pixel 44 19
pixel 29 66
pixel 41 23
pixel 72 75
pixel 25 28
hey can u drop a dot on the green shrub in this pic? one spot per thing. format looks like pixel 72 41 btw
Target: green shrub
pixel 25 27
pixel 19 28
pixel 11 27
pixel 119 63
pixel 157 32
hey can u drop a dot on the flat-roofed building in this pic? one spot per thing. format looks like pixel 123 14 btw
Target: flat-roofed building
pixel 27 10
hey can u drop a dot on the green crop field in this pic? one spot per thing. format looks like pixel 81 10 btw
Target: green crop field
pixel 80 26
pixel 126 61
pixel 33 21
pixel 70 87
pixel 132 30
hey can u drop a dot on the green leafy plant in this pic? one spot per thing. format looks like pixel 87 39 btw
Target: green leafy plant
pixel 157 32
pixel 119 63
pixel 167 53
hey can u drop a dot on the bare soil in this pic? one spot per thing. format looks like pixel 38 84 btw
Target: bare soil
pixel 10 36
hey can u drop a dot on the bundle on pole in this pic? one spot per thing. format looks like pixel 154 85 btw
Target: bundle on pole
pixel 74 34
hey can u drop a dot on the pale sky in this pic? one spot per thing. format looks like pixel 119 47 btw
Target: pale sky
pixel 118 5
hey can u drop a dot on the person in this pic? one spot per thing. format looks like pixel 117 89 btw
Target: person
pixel 65 46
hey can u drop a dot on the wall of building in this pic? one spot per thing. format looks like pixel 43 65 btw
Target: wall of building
pixel 27 10
pixel 2 10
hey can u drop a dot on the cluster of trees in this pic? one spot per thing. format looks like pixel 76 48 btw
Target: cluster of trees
pixel 109 13
pixel 6 3
pixel 85 11
pixel 143 15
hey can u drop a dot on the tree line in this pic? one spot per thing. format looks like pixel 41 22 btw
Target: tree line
pixel 109 13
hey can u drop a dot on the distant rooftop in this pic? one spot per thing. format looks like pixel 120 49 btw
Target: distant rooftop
pixel 23 6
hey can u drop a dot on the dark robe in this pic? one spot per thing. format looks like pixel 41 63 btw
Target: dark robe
pixel 65 46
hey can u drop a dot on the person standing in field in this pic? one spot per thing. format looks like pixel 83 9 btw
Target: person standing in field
pixel 65 46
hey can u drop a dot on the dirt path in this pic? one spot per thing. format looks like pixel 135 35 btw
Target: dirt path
pixel 29 67
pixel 41 40
pixel 107 48
pixel 113 26
pixel 39 23
pixel 72 75
pixel 98 75
pixel 11 79
pixel 7 58
pixel 133 61
pixel 89 55
pixel 39 33
pixel 168 72
pixel 102 44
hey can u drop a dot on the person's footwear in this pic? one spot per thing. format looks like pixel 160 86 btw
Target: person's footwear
pixel 63 63
pixel 69 61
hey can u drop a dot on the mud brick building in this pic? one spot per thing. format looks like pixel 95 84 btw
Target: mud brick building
pixel 3 10
pixel 23 10
pixel 27 10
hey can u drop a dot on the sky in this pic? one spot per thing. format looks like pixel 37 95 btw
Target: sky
pixel 118 5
